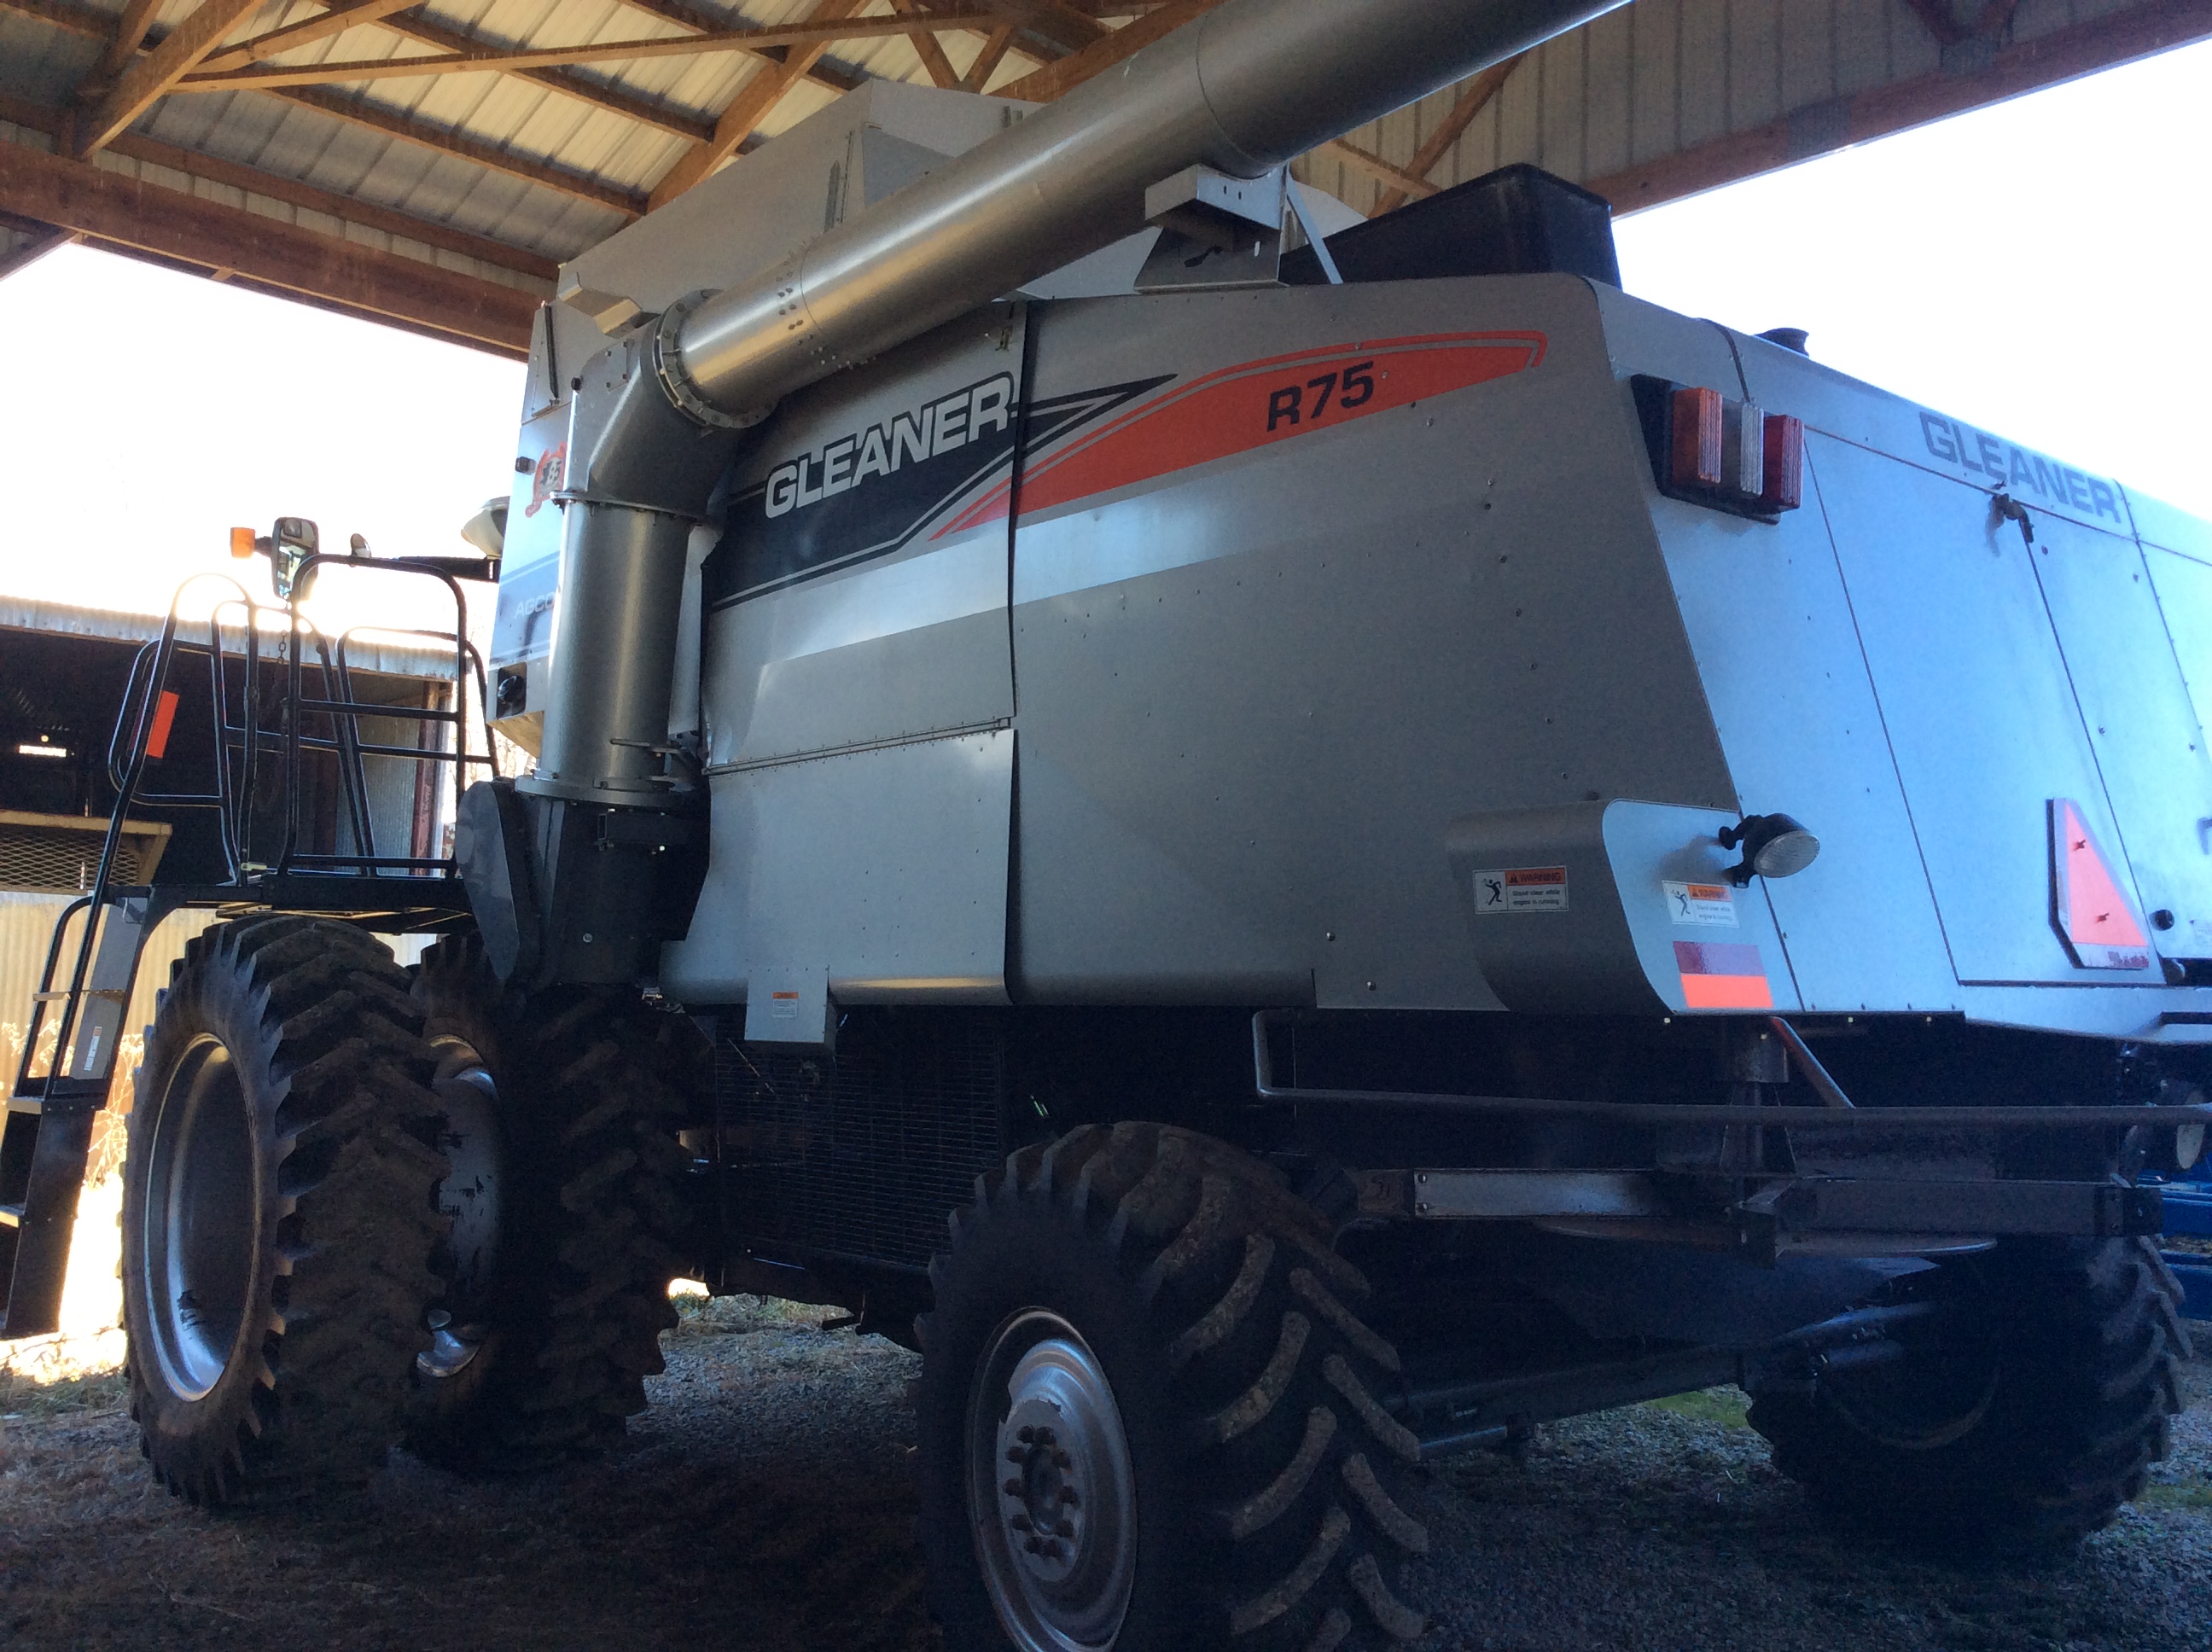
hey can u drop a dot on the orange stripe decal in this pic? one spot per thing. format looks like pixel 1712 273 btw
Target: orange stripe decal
pixel 1236 410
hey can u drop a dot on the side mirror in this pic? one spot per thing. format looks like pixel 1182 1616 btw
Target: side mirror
pixel 289 544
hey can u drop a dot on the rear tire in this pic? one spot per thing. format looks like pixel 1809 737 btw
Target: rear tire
pixel 277 1218
pixel 565 1109
pixel 2026 1413
pixel 1148 1319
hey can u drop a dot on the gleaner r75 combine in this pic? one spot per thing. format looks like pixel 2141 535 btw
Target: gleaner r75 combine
pixel 1271 780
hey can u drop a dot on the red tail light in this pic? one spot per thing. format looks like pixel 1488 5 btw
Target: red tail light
pixel 1729 456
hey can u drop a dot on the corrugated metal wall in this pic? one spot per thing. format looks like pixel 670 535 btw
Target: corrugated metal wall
pixel 27 925
pixel 1658 78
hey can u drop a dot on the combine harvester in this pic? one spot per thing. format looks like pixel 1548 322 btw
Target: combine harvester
pixel 1287 858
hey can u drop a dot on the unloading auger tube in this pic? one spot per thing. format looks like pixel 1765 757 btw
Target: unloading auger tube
pixel 1243 89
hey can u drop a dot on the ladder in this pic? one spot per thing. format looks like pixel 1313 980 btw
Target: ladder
pixel 46 1135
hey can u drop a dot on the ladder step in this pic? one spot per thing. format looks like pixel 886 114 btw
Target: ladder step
pixel 11 1215
pixel 30 1104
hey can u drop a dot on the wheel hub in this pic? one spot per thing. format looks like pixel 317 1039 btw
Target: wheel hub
pixel 201 1219
pixel 469 1196
pixel 1053 1492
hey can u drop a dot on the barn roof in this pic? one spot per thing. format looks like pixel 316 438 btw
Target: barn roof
pixel 431 165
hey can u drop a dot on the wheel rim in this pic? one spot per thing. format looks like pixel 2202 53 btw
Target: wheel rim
pixel 1942 1389
pixel 1051 1495
pixel 201 1219
pixel 470 1195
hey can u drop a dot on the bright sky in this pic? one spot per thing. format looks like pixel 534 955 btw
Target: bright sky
pixel 2037 268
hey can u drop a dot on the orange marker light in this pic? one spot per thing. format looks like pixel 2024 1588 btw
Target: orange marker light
pixel 1696 461
pixel 241 542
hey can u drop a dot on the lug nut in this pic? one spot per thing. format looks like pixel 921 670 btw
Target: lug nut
pixel 1013 1488
pixel 1067 1497
pixel 1027 1436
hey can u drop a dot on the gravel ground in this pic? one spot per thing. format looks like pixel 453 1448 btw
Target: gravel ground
pixel 765 1502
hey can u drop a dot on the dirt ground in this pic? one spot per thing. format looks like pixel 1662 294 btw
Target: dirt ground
pixel 765 1502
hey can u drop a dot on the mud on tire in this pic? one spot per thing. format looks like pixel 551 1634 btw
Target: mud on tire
pixel 278 1219
pixel 591 1087
pixel 2029 1425
pixel 1272 1488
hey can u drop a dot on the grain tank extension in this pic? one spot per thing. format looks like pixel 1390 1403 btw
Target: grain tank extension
pixel 1290 844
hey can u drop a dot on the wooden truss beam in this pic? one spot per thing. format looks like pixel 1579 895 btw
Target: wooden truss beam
pixel 1818 129
pixel 130 34
pixel 292 37
pixel 1397 179
pixel 823 74
pixel 1475 96
pixel 480 60
pixel 925 46
pixel 1060 27
pixel 678 123
pixel 40 117
pixel 755 98
pixel 387 123
pixel 110 209
pixel 147 80
pixel 371 118
pixel 1057 79
pixel 989 60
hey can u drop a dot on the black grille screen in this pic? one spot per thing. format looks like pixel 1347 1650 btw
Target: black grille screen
pixel 863 1155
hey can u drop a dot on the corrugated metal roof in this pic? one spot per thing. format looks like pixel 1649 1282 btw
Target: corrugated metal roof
pixel 1662 79
pixel 1654 100
pixel 392 658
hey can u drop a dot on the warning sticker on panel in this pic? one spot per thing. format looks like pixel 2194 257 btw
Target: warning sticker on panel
pixel 1700 903
pixel 1520 889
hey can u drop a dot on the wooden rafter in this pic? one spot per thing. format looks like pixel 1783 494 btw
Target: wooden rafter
pixel 293 36
pixel 1394 177
pixel 925 46
pixel 371 117
pixel 479 59
pixel 41 118
pixel 130 34
pixel 583 89
pixel 821 74
pixel 387 123
pixel 1475 96
pixel 755 98
pixel 1057 79
pixel 989 60
pixel 146 79
pixel 1059 27
pixel 111 209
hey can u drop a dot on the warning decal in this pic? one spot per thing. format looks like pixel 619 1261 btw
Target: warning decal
pixel 1520 889
pixel 1700 903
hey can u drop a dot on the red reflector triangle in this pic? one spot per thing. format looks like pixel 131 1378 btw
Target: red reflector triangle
pixel 2091 908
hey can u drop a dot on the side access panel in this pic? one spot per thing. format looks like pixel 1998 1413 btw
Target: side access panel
pixel 1271 647
pixel 1771 627
pixel 857 691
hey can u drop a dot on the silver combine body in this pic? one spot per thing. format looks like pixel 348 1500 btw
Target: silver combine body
pixel 1215 646
pixel 1286 858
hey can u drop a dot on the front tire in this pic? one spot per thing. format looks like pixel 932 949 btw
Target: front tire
pixel 277 1218
pixel 1148 1415
pixel 2023 1414
pixel 563 1114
